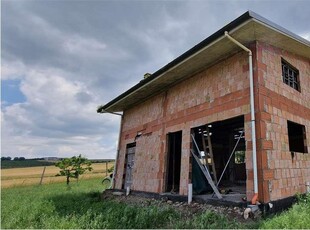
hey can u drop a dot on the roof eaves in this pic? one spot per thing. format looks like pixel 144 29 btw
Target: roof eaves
pixel 241 19
pixel 231 26
pixel 277 27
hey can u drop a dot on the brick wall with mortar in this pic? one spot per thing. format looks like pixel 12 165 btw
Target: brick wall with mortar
pixel 217 93
pixel 280 175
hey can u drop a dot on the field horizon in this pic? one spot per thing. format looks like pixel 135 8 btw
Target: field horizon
pixel 32 175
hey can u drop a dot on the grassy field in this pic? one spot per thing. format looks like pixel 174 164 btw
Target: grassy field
pixel 79 207
pixel 32 175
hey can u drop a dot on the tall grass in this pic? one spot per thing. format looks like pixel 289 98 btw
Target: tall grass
pixel 79 207
pixel 210 220
pixel 56 206
pixel 297 217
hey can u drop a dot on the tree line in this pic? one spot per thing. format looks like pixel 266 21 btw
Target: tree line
pixel 18 159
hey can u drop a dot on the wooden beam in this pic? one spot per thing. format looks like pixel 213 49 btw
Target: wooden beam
pixel 211 154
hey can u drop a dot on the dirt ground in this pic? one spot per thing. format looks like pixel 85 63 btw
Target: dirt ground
pixel 187 210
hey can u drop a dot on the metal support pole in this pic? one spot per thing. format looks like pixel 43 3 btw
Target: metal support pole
pixel 205 170
pixel 232 153
pixel 190 193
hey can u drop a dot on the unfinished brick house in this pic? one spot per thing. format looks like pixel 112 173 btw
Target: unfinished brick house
pixel 205 97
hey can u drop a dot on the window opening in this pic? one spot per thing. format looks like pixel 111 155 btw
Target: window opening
pixel 239 157
pixel 290 75
pixel 297 137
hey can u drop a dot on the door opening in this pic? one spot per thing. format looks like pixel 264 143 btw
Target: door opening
pixel 174 162
pixel 129 164
pixel 228 150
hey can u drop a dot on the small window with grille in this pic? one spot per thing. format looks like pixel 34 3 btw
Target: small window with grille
pixel 290 75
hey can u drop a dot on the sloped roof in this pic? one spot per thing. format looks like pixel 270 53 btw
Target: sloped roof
pixel 246 28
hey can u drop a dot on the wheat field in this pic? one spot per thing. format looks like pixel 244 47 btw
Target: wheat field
pixel 32 175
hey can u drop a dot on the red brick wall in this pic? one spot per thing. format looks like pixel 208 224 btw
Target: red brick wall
pixel 218 93
pixel 279 175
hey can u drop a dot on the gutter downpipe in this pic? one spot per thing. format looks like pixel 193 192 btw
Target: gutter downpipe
pixel 255 197
pixel 117 152
pixel 118 145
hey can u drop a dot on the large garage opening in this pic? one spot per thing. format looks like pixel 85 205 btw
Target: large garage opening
pixel 220 147
pixel 174 162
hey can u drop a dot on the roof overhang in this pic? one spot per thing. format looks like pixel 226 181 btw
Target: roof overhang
pixel 247 28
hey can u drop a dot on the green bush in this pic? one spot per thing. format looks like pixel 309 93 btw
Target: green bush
pixel 110 170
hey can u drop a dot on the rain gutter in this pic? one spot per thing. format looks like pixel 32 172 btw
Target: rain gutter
pixel 255 197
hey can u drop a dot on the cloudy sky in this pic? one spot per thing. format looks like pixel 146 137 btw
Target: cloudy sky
pixel 61 59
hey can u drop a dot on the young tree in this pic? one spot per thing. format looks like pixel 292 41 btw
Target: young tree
pixel 73 167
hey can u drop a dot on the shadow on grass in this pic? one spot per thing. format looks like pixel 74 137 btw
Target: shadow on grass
pixel 75 203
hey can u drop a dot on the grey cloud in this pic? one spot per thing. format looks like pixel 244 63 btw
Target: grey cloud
pixel 102 20
pixel 83 97
pixel 105 47
pixel 42 124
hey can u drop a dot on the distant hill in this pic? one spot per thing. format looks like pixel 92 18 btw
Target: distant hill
pixel 24 163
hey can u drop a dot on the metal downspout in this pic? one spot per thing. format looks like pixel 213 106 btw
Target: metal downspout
pixel 118 145
pixel 255 197
pixel 117 152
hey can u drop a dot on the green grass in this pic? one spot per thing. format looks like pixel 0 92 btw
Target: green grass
pixel 210 220
pixel 297 217
pixel 23 164
pixel 55 206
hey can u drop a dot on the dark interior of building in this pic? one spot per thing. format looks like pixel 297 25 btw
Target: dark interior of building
pixel 297 137
pixel 174 162
pixel 227 145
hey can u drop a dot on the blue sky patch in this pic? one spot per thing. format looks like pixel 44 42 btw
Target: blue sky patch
pixel 10 92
